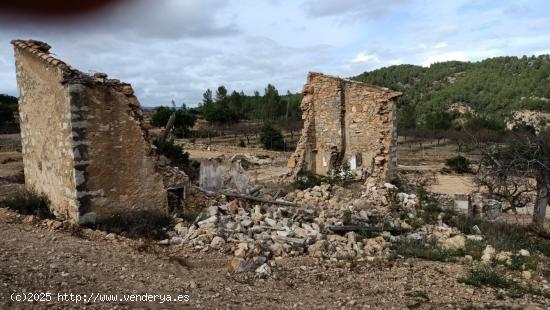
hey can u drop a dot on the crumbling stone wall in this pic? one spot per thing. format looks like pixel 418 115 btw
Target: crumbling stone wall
pixel 346 121
pixel 84 141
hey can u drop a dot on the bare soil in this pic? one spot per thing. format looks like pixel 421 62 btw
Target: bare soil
pixel 36 258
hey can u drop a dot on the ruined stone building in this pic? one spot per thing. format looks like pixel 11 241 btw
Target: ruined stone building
pixel 84 142
pixel 346 121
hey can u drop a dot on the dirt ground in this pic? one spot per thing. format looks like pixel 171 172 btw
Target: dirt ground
pixel 35 258
pixel 41 257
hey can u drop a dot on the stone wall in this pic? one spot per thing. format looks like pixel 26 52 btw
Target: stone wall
pixel 346 121
pixel 46 134
pixel 84 141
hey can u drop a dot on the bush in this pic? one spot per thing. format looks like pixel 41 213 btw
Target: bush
pixel 28 203
pixel 479 277
pixel 172 151
pixel 306 179
pixel 476 123
pixel 459 164
pixel 271 137
pixel 519 262
pixel 136 224
pixel 340 175
pixel 428 251
pixel 7 113
pixel 185 119
pixel 181 132
pixel 503 236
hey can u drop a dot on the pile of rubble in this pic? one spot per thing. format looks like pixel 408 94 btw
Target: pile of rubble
pixel 258 234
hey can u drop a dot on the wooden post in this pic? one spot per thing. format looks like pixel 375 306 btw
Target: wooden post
pixel 168 127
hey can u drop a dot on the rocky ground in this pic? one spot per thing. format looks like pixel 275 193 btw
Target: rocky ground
pixel 41 256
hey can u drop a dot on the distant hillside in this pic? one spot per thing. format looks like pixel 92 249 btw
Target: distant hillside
pixel 492 87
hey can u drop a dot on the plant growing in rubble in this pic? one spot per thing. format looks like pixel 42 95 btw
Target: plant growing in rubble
pixel 306 179
pixel 340 175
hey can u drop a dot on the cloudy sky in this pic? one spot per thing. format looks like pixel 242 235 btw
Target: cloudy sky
pixel 175 49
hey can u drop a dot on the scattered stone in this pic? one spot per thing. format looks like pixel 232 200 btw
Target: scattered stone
pixel 523 252
pixel 488 254
pixel 455 243
pixel 503 257
pixel 217 242
pixel 264 270
pixel 526 274
pixel 317 249
pixel 176 240
pixel 476 238
pixel 239 264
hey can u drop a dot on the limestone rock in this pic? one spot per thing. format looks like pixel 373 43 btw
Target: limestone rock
pixel 455 243
pixel 317 249
pixel 238 264
pixel 488 254
pixel 217 242
pixel 374 246
pixel 264 270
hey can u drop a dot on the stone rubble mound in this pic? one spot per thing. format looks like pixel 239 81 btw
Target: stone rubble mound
pixel 256 234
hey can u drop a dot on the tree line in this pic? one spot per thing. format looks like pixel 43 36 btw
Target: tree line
pixel 492 88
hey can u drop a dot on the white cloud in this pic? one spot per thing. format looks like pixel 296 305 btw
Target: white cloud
pixel 364 57
pixel 440 45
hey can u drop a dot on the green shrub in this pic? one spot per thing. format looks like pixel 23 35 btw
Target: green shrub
pixel 479 277
pixel 459 164
pixel 429 207
pixel 477 123
pixel 340 175
pixel 306 179
pixel 184 117
pixel 7 112
pixel 519 263
pixel 172 151
pixel 271 137
pixel 28 203
pixel 503 236
pixel 428 251
pixel 181 132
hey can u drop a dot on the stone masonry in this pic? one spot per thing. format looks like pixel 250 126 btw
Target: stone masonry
pixel 84 142
pixel 346 121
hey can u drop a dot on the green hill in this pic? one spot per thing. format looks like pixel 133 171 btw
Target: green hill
pixel 492 87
